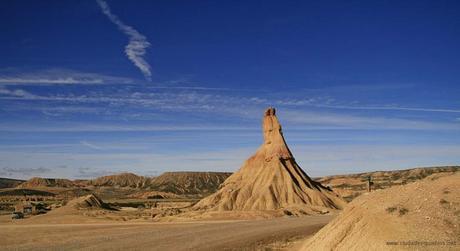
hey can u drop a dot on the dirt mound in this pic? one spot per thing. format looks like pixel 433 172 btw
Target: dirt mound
pixel 9 183
pixel 46 182
pixel 76 211
pixel 350 186
pixel 152 195
pixel 121 180
pixel 190 183
pixel 270 179
pixel 87 202
pixel 421 214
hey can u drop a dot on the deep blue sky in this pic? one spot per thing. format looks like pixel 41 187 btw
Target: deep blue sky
pixel 359 85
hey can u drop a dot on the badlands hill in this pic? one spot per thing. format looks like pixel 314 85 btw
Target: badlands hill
pixel 121 180
pixel 190 183
pixel 169 183
pixel 270 180
pixel 90 201
pixel 25 192
pixel 350 186
pixel 10 183
pixel 427 211
pixel 46 182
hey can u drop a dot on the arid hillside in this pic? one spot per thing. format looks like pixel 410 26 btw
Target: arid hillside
pixel 9 183
pixel 179 183
pixel 46 182
pixel 349 186
pixel 20 192
pixel 427 211
pixel 170 184
pixel 191 183
pixel 121 180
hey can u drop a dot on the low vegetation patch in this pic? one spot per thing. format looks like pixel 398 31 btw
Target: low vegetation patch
pixel 443 202
pixel 391 209
pixel 401 210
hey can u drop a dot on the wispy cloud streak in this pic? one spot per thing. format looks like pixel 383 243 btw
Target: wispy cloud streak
pixel 394 108
pixel 135 49
pixel 90 145
pixel 329 103
pixel 57 76
pixel 67 80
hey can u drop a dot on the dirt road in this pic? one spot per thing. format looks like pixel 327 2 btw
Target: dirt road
pixel 216 235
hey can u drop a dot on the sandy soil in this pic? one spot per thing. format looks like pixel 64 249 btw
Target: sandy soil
pixel 201 235
pixel 422 215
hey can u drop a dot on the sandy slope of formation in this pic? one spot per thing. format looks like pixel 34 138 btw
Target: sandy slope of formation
pixel 270 179
pixel 426 211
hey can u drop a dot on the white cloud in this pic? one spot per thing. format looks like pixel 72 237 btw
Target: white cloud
pixel 90 145
pixel 56 76
pixel 115 128
pixel 67 80
pixel 396 108
pixel 315 160
pixel 135 49
pixel 17 93
pixel 327 102
pixel 10 171
pixel 226 106
pixel 342 159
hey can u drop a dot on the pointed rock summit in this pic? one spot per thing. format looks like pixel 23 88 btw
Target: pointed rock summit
pixel 270 179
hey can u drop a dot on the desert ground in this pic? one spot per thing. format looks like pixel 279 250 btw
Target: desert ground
pixel 279 233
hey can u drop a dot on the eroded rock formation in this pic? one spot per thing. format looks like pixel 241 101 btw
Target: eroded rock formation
pixel 270 179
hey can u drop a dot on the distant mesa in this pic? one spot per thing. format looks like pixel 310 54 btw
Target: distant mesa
pixel 180 183
pixel 121 180
pixel 46 182
pixel 168 185
pixel 270 179
pixel 10 183
pixel 18 192
pixel 190 183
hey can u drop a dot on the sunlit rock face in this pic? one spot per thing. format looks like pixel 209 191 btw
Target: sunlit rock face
pixel 270 179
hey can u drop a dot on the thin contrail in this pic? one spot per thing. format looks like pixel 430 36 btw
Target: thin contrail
pixel 137 45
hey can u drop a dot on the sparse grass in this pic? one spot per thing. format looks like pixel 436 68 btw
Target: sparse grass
pixel 391 209
pixel 403 211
